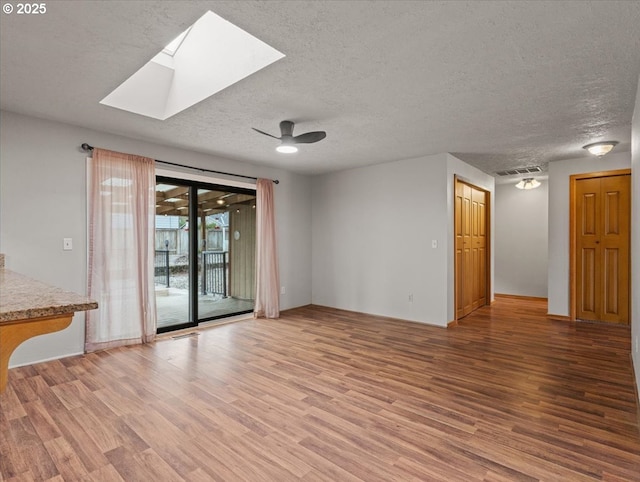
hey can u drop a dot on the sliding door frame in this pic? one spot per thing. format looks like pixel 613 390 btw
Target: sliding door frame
pixel 193 186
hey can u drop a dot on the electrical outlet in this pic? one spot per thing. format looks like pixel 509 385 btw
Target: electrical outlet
pixel 283 290
pixel 67 244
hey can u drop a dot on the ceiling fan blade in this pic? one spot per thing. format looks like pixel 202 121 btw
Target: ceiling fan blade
pixel 265 133
pixel 310 137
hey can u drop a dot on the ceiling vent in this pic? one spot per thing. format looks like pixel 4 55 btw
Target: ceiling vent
pixel 519 170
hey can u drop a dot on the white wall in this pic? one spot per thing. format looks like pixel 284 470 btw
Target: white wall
pixel 635 238
pixel 43 199
pixel 558 262
pixel 372 233
pixel 372 230
pixel 522 219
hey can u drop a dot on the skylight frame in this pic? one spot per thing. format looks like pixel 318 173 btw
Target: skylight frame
pixel 171 49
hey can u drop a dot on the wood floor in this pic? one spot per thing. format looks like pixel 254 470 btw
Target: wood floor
pixel 324 395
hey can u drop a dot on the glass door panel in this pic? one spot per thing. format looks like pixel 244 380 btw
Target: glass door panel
pixel 172 260
pixel 226 244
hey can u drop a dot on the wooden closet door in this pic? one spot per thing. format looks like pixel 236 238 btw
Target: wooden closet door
pixel 478 248
pixel 470 248
pixel 587 243
pixel 603 207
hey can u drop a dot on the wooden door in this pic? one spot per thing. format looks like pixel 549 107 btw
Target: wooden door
pixel 464 264
pixel 471 223
pixel 478 248
pixel 602 224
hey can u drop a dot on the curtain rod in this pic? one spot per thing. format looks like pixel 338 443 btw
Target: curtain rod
pixel 86 147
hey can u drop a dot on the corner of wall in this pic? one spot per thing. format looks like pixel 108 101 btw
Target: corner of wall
pixel 468 173
pixel 635 240
pixel 558 241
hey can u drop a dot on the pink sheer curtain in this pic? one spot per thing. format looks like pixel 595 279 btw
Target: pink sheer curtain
pixel 121 250
pixel 267 277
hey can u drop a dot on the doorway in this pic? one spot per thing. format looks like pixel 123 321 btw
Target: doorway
pixel 471 223
pixel 204 252
pixel 600 224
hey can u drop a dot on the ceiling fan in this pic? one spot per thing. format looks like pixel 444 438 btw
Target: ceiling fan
pixel 288 141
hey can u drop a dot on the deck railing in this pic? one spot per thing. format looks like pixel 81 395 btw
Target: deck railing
pixel 213 273
pixel 161 264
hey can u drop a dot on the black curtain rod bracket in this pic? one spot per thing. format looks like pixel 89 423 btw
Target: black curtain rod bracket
pixel 87 148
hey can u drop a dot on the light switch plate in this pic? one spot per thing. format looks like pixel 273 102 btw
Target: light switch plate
pixel 67 244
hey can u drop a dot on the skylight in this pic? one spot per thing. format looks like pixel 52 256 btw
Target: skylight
pixel 206 58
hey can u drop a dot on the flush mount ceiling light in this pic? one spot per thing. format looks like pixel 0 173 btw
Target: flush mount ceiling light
pixel 286 148
pixel 206 58
pixel 600 148
pixel 528 183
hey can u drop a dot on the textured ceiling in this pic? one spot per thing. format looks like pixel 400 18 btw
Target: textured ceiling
pixel 498 84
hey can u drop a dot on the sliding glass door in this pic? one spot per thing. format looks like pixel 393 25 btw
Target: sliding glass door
pixel 173 255
pixel 205 252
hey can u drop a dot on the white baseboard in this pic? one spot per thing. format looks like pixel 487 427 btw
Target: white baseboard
pixel 57 357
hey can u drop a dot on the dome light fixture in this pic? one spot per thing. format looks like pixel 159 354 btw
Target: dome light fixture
pixel 528 183
pixel 600 148
pixel 287 148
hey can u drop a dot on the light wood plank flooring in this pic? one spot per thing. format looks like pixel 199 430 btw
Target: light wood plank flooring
pixel 325 395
